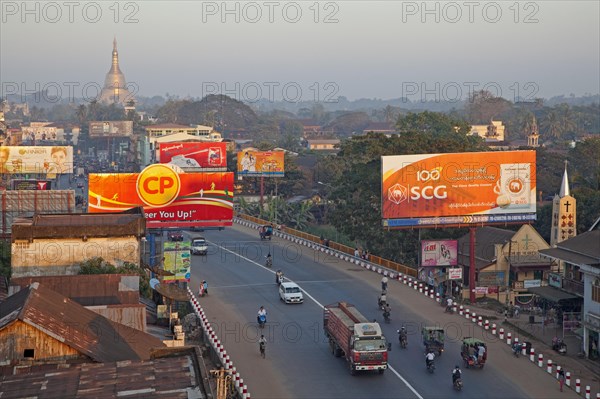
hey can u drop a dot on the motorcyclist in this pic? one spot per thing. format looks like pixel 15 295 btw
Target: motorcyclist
pixel 262 315
pixel 262 343
pixel 402 335
pixel 387 311
pixel 429 357
pixel 269 260
pixel 449 303
pixel 382 300
pixel 456 374
pixel 384 283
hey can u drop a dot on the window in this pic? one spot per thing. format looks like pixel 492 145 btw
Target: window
pixel 596 290
pixel 28 353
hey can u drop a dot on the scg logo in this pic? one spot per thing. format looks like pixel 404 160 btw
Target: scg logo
pixel 398 193
pixel 158 185
pixel 428 192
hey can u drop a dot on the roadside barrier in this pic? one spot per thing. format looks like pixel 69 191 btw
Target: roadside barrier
pixel 407 276
pixel 217 347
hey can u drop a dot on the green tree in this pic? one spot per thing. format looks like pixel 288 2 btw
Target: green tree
pixel 552 126
pixel 356 191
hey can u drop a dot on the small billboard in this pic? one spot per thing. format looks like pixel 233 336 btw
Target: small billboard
pixel 190 155
pixel 36 159
pixel 177 260
pixel 111 128
pixel 31 184
pixel 260 163
pixel 439 253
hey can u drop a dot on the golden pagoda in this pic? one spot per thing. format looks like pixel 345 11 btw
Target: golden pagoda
pixel 115 87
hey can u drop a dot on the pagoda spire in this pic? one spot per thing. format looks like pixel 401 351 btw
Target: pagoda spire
pixel 564 187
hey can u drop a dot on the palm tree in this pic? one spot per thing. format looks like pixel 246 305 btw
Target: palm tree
pixel 567 119
pixel 552 125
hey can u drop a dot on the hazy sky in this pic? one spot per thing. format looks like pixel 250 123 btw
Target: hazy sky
pixel 357 49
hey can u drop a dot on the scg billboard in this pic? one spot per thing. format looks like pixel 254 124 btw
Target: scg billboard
pixel 169 198
pixel 194 154
pixel 458 188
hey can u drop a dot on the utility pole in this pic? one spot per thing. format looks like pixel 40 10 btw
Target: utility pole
pixel 223 382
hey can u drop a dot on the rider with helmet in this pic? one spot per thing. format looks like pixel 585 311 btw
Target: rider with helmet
pixel 456 374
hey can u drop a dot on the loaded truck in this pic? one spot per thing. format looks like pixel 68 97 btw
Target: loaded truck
pixel 351 335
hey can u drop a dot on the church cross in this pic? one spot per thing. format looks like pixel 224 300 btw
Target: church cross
pixel 567 205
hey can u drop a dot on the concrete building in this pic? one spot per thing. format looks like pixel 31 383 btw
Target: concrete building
pixel 323 144
pixel 492 132
pixel 49 245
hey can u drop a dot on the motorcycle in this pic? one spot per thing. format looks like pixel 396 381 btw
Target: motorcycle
pixel 269 262
pixel 448 309
pixel 279 278
pixel 381 302
pixel 402 339
pixel 517 348
pixel 262 319
pixel 559 345
pixel 386 317
pixel 431 366
pixel 458 384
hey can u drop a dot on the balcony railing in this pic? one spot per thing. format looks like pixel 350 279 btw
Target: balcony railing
pixel 573 286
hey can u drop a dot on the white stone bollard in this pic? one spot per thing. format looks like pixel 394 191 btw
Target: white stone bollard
pixel 549 366
pixel 540 360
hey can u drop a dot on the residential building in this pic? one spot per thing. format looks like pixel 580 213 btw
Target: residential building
pixel 114 296
pixel 38 325
pixel 49 245
pixel 581 256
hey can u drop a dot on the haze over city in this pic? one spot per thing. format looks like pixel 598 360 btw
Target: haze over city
pixel 321 50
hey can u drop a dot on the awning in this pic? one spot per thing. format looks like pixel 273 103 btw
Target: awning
pixel 568 256
pixel 552 294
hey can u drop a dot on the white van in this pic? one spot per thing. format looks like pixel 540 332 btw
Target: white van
pixel 199 246
pixel 290 293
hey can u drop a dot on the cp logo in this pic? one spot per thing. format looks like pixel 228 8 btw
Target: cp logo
pixel 158 185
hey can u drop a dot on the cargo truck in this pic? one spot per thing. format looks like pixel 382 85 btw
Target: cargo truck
pixel 351 335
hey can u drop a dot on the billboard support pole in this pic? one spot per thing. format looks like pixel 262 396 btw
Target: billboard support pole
pixel 262 190
pixel 472 264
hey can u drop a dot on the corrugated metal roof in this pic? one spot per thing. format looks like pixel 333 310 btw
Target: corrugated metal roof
pixel 78 225
pixel 485 239
pixel 89 333
pixel 88 289
pixel 172 377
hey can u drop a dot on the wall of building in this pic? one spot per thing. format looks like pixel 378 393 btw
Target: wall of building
pixel 133 316
pixel 47 257
pixel 17 337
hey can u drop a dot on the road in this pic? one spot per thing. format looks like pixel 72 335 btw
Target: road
pixel 299 363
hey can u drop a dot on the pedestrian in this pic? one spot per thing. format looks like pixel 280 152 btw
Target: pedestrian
pixel 561 378
pixel 205 286
pixel 356 253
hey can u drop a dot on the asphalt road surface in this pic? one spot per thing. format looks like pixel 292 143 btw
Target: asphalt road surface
pixel 298 361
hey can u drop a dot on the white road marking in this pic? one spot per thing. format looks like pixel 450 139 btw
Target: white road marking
pixel 408 385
